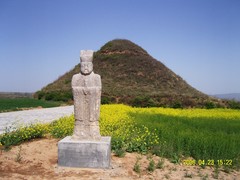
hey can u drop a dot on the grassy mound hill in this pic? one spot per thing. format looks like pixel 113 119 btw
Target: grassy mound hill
pixel 131 76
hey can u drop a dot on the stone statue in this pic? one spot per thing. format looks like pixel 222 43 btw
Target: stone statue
pixel 86 148
pixel 86 87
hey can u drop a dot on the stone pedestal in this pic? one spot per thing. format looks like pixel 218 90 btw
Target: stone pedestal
pixel 84 154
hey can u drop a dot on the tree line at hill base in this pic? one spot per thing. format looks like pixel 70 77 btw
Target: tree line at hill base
pixel 145 101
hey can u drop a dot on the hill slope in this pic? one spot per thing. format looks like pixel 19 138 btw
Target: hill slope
pixel 130 75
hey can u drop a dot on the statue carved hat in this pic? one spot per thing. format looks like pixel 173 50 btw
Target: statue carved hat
pixel 86 55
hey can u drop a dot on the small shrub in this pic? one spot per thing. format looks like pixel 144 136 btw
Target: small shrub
pixel 216 173
pixel 19 155
pixel 143 102
pixel 105 100
pixel 58 96
pixel 50 96
pixel 136 167
pixel 177 105
pixel 175 159
pixel 67 81
pixel 40 94
pixel 151 166
pixel 117 143
pixel 234 104
pixel 210 105
pixel 120 152
pixel 205 177
pixel 160 164
pixel 156 150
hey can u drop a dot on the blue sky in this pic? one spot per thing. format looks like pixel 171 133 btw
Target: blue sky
pixel 197 39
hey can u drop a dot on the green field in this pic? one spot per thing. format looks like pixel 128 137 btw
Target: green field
pixel 206 135
pixel 14 104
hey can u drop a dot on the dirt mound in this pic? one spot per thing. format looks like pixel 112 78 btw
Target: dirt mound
pixel 131 76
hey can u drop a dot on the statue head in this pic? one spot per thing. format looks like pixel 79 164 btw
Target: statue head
pixel 86 58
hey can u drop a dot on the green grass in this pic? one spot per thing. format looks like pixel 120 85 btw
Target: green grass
pixel 201 138
pixel 7 104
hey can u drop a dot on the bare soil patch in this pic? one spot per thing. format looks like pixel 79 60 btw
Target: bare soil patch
pixel 37 159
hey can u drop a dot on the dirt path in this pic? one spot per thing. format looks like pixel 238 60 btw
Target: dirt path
pixel 38 160
pixel 26 117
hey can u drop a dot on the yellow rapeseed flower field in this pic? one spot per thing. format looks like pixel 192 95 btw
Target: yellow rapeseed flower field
pixel 203 134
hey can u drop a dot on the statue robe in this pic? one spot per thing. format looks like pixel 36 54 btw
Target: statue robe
pixel 87 100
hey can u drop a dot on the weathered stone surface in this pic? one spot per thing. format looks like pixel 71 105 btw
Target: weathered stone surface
pixel 85 154
pixel 86 87
pixel 86 148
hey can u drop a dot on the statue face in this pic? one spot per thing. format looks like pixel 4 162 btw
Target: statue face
pixel 86 68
